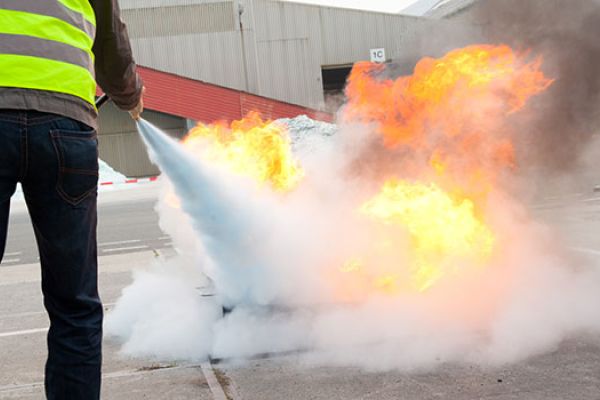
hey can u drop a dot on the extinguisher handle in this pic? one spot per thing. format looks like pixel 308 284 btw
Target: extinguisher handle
pixel 101 100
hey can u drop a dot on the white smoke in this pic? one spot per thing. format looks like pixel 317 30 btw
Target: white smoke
pixel 267 259
pixel 162 316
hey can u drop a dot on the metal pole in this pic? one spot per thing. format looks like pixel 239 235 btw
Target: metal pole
pixel 243 39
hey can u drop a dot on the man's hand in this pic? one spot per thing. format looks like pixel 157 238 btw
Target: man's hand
pixel 139 109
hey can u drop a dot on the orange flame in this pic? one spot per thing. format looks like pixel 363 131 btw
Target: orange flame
pixel 452 110
pixel 449 119
pixel 250 147
pixel 449 123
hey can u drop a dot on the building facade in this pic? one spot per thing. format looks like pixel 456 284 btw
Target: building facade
pixel 286 52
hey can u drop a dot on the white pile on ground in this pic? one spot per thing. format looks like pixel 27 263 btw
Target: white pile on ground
pixel 306 133
pixel 108 174
pixel 105 174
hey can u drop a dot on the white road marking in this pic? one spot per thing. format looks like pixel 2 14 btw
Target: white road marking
pixel 24 332
pixel 164 238
pixel 112 375
pixel 213 382
pixel 561 204
pixel 20 388
pixel 18 253
pixel 125 248
pixel 35 313
pixel 586 251
pixel 21 315
pixel 11 260
pixel 565 196
pixel 119 242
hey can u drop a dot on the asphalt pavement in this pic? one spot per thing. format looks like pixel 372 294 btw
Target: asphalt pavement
pixel 130 239
pixel 127 223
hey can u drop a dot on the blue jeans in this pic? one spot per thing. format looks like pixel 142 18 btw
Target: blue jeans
pixel 56 161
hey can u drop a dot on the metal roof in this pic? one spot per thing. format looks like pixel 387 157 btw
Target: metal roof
pixel 447 8
pixel 420 7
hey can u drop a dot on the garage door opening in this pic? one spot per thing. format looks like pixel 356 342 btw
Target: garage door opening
pixel 334 82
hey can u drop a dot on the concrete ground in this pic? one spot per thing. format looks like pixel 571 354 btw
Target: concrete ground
pixel 23 325
pixel 127 224
pixel 570 372
pixel 129 238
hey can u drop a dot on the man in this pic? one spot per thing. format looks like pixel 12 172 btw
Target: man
pixel 48 143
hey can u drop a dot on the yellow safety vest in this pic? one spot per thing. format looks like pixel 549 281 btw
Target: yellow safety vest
pixel 47 45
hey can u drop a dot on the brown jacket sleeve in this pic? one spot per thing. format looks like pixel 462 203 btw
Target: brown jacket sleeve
pixel 115 68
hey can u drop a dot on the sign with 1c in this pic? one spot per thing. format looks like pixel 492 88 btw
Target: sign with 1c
pixel 378 55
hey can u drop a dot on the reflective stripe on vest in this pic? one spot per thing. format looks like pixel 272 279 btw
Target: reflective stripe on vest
pixel 47 45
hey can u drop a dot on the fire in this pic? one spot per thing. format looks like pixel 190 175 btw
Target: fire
pixel 250 147
pixel 444 232
pixel 448 134
pixel 451 112
pixel 448 123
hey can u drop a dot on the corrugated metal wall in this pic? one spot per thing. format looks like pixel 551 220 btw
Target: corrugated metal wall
pixel 121 146
pixel 136 4
pixel 194 38
pixel 280 51
pixel 181 20
pixel 295 40
pixel 285 56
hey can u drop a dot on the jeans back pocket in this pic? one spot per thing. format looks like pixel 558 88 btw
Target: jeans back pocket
pixel 77 153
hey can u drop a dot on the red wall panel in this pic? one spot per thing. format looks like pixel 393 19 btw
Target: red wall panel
pixel 188 98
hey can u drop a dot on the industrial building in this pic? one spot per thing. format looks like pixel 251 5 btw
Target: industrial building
pixel 207 60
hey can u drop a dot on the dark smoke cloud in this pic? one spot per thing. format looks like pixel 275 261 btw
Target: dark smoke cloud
pixel 567 34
